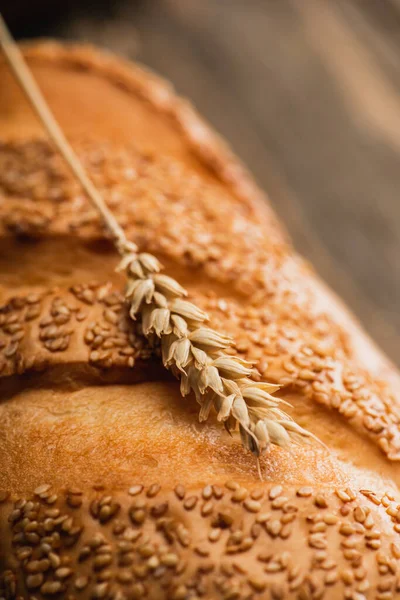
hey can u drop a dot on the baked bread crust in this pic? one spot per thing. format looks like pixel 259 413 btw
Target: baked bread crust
pixel 109 488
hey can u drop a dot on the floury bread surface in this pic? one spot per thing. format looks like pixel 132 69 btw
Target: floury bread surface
pixel 109 487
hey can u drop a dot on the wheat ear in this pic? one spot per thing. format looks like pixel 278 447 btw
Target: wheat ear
pixel 196 355
pixel 190 350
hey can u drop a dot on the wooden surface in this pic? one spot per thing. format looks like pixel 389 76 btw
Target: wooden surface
pixel 308 94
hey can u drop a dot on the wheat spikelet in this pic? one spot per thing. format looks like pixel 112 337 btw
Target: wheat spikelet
pixel 196 355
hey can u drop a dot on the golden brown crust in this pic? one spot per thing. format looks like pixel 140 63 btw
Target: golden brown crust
pixel 179 193
pixel 218 541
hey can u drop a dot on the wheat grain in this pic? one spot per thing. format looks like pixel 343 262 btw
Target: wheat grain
pixel 196 355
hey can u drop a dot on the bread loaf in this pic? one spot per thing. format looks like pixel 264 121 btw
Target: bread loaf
pixel 109 486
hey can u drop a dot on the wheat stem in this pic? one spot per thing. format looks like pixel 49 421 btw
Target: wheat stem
pixel 193 352
pixel 39 104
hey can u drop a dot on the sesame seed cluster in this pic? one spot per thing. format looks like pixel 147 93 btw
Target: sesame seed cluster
pixel 144 543
pixel 87 324
pixel 305 351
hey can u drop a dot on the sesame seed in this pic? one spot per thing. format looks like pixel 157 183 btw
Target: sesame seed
pixel 207 492
pixel 180 492
pixel 159 509
pixel 138 516
pixel 218 492
pixel 279 503
pixel 239 494
pixel 54 559
pixel 50 588
pixel 331 577
pixel 131 535
pixel 319 527
pixel 140 571
pixel 207 509
pixel 232 485
pixel 274 527
pixel 395 549
pixel 42 489
pixel 346 529
pixel 190 502
pixel 183 535
pixel 126 559
pixel 135 490
pixel 146 550
pixel 214 534
pixel 371 496
pixel 320 501
pixel 316 540
pixel 304 492
pixel 373 544
pixel 252 505
pixel 153 490
pixel 107 512
pixel 275 491
pixel 330 519
pixel 24 552
pixel 63 573
pixel 81 582
pixel 169 560
pixel 123 576
pixel 202 549
pixel 374 534
pixel 179 593
pixel 257 583
pixel 351 493
pixel 101 561
pixel 273 567
pixel 347 576
pixel 34 581
pixel 343 495
pixel 100 590
pixel 74 501
pixel 257 494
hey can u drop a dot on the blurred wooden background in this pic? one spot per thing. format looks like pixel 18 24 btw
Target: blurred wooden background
pixel 308 94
